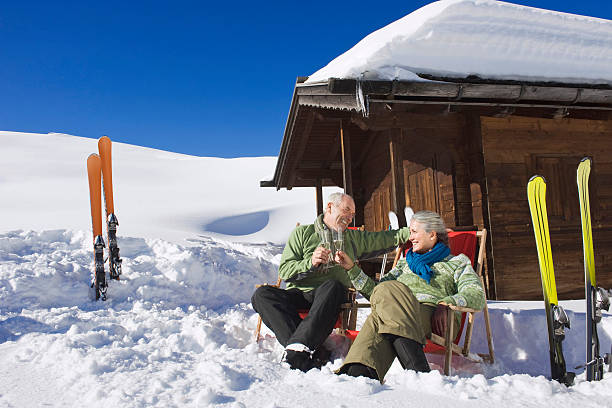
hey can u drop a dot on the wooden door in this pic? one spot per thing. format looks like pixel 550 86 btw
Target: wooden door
pixel 429 186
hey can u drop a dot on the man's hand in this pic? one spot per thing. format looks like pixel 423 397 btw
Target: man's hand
pixel 320 256
pixel 344 260
pixel 438 320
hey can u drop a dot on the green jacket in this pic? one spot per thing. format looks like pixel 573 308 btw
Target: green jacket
pixel 296 262
pixel 453 282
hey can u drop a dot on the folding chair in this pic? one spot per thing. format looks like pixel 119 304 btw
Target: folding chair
pixel 346 319
pixel 465 242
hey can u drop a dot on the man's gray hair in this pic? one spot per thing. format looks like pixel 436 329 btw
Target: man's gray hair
pixel 336 198
pixel 432 221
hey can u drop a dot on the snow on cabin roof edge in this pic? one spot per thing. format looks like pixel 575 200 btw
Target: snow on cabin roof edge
pixel 486 39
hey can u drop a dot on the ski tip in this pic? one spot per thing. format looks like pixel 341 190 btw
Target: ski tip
pixel 586 158
pixel 537 176
pixel 104 139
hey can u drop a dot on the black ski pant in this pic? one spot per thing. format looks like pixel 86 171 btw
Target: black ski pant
pixel 278 309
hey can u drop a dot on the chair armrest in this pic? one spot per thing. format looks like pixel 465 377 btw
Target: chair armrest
pixel 459 308
pixel 354 305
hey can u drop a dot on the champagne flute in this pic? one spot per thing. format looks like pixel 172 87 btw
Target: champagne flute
pixel 327 243
pixel 338 241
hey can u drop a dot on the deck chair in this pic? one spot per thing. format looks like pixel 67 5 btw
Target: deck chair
pixel 471 243
pixel 346 319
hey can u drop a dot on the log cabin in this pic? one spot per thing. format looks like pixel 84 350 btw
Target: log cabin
pixel 464 148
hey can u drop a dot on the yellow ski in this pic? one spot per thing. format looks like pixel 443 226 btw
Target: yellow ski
pixel 556 319
pixel 536 194
pixel 596 298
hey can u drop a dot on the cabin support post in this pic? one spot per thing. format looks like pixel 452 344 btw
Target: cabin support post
pixel 347 176
pixel 398 197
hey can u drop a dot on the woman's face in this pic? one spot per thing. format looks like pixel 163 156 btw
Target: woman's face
pixel 422 241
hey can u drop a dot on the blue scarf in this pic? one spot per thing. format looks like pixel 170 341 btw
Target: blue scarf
pixel 420 264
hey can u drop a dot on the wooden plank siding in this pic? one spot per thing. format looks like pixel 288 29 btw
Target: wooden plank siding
pixel 514 149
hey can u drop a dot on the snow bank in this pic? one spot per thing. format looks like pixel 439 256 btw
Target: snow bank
pixel 488 38
pixel 52 269
pixel 178 331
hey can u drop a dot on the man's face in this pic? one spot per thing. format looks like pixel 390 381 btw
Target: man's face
pixel 340 216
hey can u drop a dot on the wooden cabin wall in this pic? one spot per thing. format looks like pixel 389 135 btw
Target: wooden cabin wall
pixel 375 187
pixel 515 148
pixel 441 170
pixel 436 173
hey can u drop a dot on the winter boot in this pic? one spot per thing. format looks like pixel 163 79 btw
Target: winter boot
pixel 410 354
pixel 321 356
pixel 299 360
pixel 360 370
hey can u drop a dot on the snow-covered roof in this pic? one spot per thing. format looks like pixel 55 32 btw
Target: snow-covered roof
pixel 485 38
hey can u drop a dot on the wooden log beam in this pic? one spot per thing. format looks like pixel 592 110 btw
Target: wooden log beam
pixel 300 150
pixel 383 119
pixel 314 174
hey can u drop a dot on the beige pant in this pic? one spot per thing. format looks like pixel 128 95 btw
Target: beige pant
pixel 395 310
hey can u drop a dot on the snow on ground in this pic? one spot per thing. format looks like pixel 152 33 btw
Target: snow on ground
pixel 178 329
pixel 488 38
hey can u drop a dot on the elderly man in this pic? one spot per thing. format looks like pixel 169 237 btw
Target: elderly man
pixel 315 283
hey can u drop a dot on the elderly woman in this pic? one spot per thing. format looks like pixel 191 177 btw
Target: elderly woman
pixel 406 302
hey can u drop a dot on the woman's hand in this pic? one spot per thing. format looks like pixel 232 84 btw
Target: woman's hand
pixel 320 256
pixel 344 260
pixel 438 320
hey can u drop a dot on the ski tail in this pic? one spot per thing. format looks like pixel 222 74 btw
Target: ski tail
pixel 408 213
pixel 582 178
pixel 536 194
pixel 93 174
pixel 556 318
pixel 104 147
pixel 393 221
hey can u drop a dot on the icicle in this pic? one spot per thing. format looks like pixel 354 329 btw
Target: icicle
pixel 362 102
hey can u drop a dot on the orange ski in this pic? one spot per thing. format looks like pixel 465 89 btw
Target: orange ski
pixel 94 175
pixel 104 147
pixel 114 261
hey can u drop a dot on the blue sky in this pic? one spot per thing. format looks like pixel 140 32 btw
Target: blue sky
pixel 184 76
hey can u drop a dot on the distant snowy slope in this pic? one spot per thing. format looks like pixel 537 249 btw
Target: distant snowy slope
pixel 488 38
pixel 43 185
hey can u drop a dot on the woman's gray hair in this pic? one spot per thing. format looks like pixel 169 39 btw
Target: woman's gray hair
pixel 432 221
pixel 336 198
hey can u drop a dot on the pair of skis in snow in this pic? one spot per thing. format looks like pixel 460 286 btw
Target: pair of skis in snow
pixel 99 170
pixel 596 298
